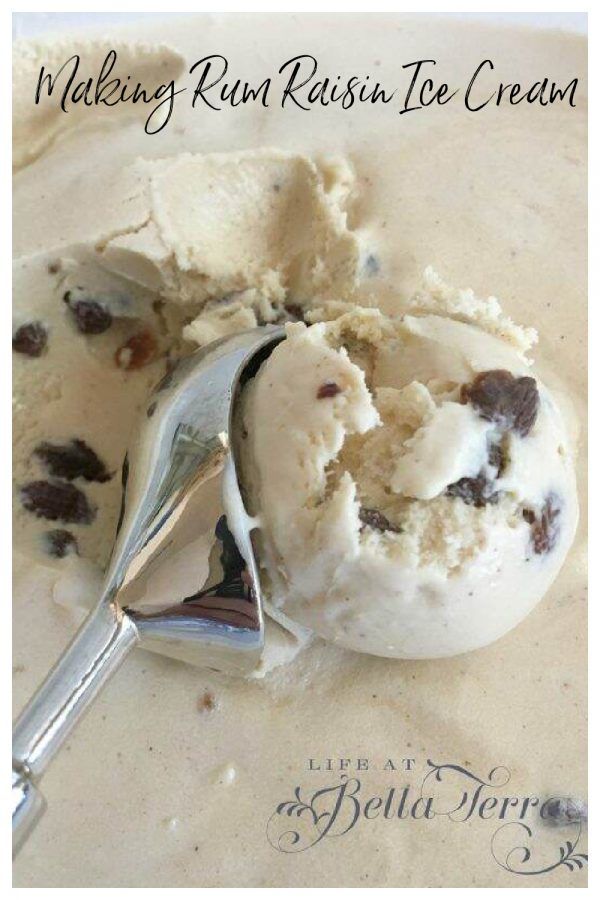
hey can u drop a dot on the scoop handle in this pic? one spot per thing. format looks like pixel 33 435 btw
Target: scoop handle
pixel 92 657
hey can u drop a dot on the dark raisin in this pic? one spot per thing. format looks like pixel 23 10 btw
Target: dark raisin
pixel 138 351
pixel 60 542
pixel 545 527
pixel 91 316
pixel 497 458
pixel 30 339
pixel 72 460
pixel 526 400
pixel 57 501
pixel 500 397
pixel 328 389
pixel 374 518
pixel 477 491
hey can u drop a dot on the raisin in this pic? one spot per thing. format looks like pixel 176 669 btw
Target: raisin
pixel 60 542
pixel 328 389
pixel 207 702
pixel 57 501
pixel 499 397
pixel 138 351
pixel 545 527
pixel 91 316
pixel 374 518
pixel 477 491
pixel 72 460
pixel 496 458
pixel 30 339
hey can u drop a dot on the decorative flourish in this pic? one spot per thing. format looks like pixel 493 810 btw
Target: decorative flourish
pixel 514 859
pixel 315 818
pixel 291 841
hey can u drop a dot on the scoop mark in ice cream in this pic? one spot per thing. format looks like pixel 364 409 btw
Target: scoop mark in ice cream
pixel 545 528
pixel 500 397
pixel 30 339
pixel 374 518
pixel 91 316
pixel 328 389
pixel 57 501
pixel 73 460
pixel 60 542
pixel 137 352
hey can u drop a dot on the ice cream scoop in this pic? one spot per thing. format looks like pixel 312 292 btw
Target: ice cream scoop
pixel 413 479
pixel 182 577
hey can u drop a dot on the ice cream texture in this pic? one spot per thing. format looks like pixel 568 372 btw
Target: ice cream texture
pixel 178 252
pixel 109 273
pixel 413 481
pixel 393 513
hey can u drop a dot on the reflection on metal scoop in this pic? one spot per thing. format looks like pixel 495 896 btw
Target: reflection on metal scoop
pixel 182 578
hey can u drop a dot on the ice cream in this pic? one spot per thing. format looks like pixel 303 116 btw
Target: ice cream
pixel 177 253
pixel 183 250
pixel 412 478
pixel 481 196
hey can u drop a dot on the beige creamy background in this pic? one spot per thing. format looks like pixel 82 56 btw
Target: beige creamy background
pixel 143 795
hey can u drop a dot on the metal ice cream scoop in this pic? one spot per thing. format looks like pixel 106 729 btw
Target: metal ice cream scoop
pixel 182 578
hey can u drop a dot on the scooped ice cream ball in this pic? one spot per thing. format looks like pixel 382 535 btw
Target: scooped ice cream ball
pixel 412 481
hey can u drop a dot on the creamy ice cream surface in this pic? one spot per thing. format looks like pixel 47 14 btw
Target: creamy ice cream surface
pixel 413 482
pixel 410 468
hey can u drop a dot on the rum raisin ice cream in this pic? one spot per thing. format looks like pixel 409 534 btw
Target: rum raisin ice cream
pixel 133 249
pixel 412 476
